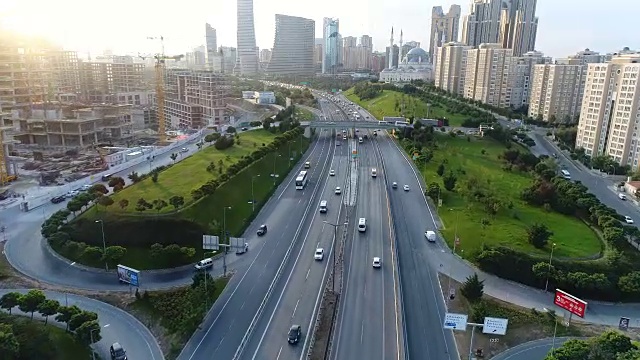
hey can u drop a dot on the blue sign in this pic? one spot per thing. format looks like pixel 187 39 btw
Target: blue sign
pixel 128 275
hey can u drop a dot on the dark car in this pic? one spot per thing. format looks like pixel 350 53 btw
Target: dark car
pixel 294 334
pixel 262 230
pixel 58 199
pixel 117 352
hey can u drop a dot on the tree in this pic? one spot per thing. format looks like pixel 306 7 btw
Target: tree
pixel 629 284
pixel 116 180
pixel 123 203
pixel 80 318
pixel 114 254
pixel 433 191
pixel 609 344
pixel 88 332
pixel 48 308
pixel 449 181
pixel 134 177
pixel 159 204
pixel 176 201
pixel 98 188
pixel 105 201
pixel 211 167
pixel 199 278
pixel 74 206
pixel 173 157
pixel 473 288
pixel 30 301
pixel 538 235
pixel 440 170
pixel 9 345
pixel 571 350
pixel 92 253
pixel 231 130
pixel 154 176
pixel 10 300
pixel 65 313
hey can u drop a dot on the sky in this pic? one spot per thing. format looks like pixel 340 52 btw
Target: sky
pixel 565 26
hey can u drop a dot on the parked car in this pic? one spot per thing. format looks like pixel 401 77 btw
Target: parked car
pixel 622 196
pixel 58 199
pixel 262 230
pixel 85 187
pixel 628 220
pixel 72 193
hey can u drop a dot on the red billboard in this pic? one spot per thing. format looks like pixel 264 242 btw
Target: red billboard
pixel 570 303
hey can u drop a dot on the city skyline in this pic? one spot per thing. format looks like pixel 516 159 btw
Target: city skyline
pixel 584 29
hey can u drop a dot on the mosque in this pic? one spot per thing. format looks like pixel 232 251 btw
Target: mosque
pixel 414 65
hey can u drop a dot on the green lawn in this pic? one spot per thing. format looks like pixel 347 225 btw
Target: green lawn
pixel 572 237
pixel 188 174
pixel 303 114
pixel 384 105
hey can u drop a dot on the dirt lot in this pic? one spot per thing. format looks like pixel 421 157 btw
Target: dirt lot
pixel 524 324
pixel 327 308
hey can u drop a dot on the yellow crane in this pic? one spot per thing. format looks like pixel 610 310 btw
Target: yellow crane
pixel 159 72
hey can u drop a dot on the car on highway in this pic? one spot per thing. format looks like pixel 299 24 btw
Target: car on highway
pixel 622 196
pixel 628 220
pixel 406 187
pixel 58 199
pixel 72 193
pixel 376 262
pixel 394 185
pixel 204 264
pixel 307 165
pixel 332 172
pixel 430 235
pixel 244 129
pixel 295 332
pixel 344 137
pixel 337 143
pixel 319 254
pixel 262 230
pixel 85 187
pixel 117 352
pixel 338 190
pixel 184 150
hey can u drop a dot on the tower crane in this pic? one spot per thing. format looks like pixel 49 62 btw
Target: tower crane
pixel 159 72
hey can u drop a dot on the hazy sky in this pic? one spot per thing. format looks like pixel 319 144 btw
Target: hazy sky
pixel 566 26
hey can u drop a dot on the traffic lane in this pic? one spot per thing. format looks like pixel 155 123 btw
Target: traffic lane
pixel 302 281
pixel 226 324
pixel 116 326
pixel 532 350
pixel 421 288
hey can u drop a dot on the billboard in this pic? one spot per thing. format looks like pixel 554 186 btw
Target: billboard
pixel 128 275
pixel 570 303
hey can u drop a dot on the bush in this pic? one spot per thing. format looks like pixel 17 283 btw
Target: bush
pixel 224 142
pixel 473 288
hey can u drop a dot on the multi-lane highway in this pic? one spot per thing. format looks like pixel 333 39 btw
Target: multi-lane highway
pixel 370 322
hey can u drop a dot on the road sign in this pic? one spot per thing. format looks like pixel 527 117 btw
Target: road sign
pixel 623 324
pixel 570 303
pixel 495 326
pixel 455 321
pixel 210 242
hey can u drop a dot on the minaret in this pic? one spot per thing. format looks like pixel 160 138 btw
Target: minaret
pixel 391 50
pixel 400 50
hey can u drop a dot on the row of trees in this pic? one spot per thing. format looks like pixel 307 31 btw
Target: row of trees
pixel 611 345
pixel 83 324
pixel 284 118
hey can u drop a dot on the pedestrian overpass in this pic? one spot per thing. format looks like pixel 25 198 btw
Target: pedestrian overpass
pixel 353 124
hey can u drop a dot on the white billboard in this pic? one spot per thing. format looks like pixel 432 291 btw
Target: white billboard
pixel 495 326
pixel 455 321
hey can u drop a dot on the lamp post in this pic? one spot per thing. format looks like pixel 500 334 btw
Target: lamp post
pixel 546 285
pixel 93 354
pixel 275 156
pixel 104 244
pixel 335 246
pixel 253 198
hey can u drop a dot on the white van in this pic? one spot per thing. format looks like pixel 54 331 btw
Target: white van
pixel 360 140
pixel 204 264
pixel 323 206
pixel 565 174
pixel 374 172
pixel 362 225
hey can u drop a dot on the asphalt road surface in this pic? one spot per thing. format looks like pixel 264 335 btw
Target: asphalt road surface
pixel 532 350
pixel 116 326
pixel 301 285
pixel 369 325
pixel 227 325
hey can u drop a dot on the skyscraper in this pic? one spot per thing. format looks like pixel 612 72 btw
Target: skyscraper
pixel 331 45
pixel 444 27
pixel 247 61
pixel 518 25
pixel 211 42
pixel 482 25
pixel 293 46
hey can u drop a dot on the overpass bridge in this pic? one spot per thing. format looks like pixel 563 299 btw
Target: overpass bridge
pixel 352 124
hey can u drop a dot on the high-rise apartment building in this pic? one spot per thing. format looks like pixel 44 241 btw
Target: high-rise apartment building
pixel 265 55
pixel 444 27
pixel 522 72
pixel 211 43
pixel 488 74
pixel 331 46
pixel 482 25
pixel 450 62
pixel 378 61
pixel 247 60
pixel 557 89
pixel 197 58
pixel 350 52
pixel 293 46
pixel 99 80
pixel 610 115
pixel 365 49
pixel 519 26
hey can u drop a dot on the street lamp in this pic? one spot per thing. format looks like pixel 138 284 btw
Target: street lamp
pixel 275 156
pixel 546 285
pixel 253 198
pixel 93 354
pixel 335 246
pixel 104 244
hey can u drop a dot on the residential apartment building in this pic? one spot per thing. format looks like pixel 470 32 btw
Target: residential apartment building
pixel 522 72
pixel 488 75
pixel 450 62
pixel 378 61
pixel 444 27
pixel 610 112
pixel 350 52
pixel 482 25
pixel 24 72
pixel 100 79
pixel 557 89
pixel 293 46
pixel 197 58
pixel 194 98
pixel 225 60
pixel 211 41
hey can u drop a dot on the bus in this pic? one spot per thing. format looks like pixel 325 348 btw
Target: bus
pixel 301 180
pixel 402 123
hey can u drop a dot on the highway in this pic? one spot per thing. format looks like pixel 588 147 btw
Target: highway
pixel 369 325
pixel 240 306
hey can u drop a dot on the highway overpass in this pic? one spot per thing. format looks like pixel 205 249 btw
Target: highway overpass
pixel 350 124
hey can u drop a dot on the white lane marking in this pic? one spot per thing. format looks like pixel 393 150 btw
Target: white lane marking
pixel 308 271
pixel 361 331
pixel 279 352
pixel 295 308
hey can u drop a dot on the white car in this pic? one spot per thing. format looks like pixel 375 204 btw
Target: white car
pixel 184 150
pixel 628 220
pixel 406 188
pixel 85 187
pixel 338 190
pixel 376 262
pixel 430 235
pixel 72 193
pixel 394 185
pixel 332 172
pixel 319 254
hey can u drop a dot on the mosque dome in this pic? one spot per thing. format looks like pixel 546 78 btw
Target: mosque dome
pixel 417 55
